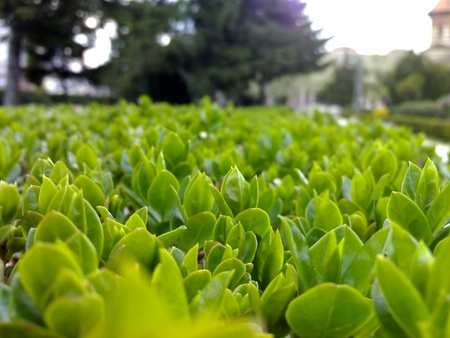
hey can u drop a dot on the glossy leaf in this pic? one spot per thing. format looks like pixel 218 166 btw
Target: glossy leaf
pixel 160 195
pixel 38 272
pixel 199 228
pixel 402 299
pixel 404 212
pixel 168 281
pixel 86 155
pixel 139 243
pixel 9 203
pixel 428 186
pixel 255 220
pixel 235 191
pixel 439 212
pixel 55 226
pixel 198 196
pixel 328 310
pixel 91 191
pixel 411 181
pixel 84 314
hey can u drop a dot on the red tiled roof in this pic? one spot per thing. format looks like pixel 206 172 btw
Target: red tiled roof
pixel 442 7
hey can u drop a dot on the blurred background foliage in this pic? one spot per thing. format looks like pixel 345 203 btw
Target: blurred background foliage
pixel 174 51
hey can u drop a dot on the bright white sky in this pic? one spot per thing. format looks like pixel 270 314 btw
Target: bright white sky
pixel 373 26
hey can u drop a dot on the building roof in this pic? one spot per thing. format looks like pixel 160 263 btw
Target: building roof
pixel 442 7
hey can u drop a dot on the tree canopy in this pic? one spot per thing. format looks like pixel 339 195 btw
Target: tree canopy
pixel 417 78
pixel 43 33
pixel 178 51
pixel 238 41
pixel 171 50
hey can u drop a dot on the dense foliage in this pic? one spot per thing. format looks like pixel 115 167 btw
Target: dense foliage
pixel 197 221
pixel 417 78
pixel 42 39
pixel 174 51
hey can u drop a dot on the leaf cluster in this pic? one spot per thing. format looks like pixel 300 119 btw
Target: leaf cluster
pixel 155 220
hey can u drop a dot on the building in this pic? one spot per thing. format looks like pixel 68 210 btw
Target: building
pixel 440 43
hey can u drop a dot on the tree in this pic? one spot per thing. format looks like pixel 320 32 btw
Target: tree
pixel 43 33
pixel 417 78
pixel 281 40
pixel 339 90
pixel 148 54
pixel 236 42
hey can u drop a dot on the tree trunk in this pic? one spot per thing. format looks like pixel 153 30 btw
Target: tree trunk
pixel 262 91
pixel 11 96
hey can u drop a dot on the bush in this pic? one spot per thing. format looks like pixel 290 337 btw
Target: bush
pixel 434 127
pixel 419 108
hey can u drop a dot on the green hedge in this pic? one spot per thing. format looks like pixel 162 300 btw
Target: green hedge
pixel 46 99
pixel 427 109
pixel 434 127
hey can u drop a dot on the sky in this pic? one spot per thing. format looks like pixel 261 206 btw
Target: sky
pixel 373 26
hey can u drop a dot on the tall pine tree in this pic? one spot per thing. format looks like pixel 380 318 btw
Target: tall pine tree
pixel 42 32
pixel 239 41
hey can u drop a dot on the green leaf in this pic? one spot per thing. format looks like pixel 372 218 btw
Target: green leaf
pixel 231 264
pixel 328 310
pixel 190 261
pixel 46 194
pixel 199 229
pixel 174 149
pixel 439 212
pixel 360 271
pixel 91 191
pixel 31 199
pixel 245 242
pixel 170 237
pixel 135 155
pixel 235 191
pixel 9 203
pixel 4 232
pixel 438 286
pixel 140 244
pixel 196 281
pixel 404 212
pixel 198 196
pixel 327 215
pixel 85 251
pixel 326 257
pixel 296 242
pixel 403 300
pixel 211 296
pixel 23 329
pixel 168 282
pixel 411 181
pixel 221 203
pixel 86 155
pixel 222 228
pixel 215 256
pixel 255 220
pixel 84 314
pixel 269 258
pixel 389 325
pixel 428 186
pixel 42 168
pixel 322 181
pixel 384 163
pixel 142 178
pixel 59 172
pixel 160 195
pixel 38 272
pixel 360 190
pixel 55 226
pixel 275 300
